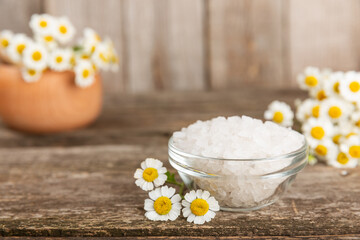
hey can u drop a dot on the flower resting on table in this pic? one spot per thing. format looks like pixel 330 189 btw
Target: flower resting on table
pixel 280 113
pixel 151 174
pixel 163 204
pixel 199 207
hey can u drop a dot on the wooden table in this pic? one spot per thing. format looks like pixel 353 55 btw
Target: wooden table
pixel 81 183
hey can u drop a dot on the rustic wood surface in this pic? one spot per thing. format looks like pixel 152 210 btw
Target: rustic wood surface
pixel 209 44
pixel 81 184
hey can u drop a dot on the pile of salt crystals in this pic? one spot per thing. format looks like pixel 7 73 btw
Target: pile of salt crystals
pixel 238 138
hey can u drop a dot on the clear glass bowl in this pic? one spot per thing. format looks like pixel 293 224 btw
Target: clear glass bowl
pixel 239 184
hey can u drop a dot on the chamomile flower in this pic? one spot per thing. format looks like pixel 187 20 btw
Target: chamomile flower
pixel 306 109
pixel 90 41
pixel 101 56
pixel 351 146
pixel 331 86
pixel 355 118
pixel 60 59
pixel 113 56
pixel 163 204
pixel 325 149
pixel 42 24
pixel 310 79
pixel 280 113
pixel 335 109
pixel 318 93
pixel 199 207
pixel 31 75
pixel 316 129
pixel 84 73
pixel 152 173
pixel 64 30
pixel 342 160
pixel 47 40
pixel 19 43
pixel 35 56
pixel 350 87
pixel 5 39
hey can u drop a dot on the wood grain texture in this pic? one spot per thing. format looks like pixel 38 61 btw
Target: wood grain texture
pixel 246 43
pixel 81 184
pixel 15 15
pixel 324 33
pixel 104 17
pixel 164 45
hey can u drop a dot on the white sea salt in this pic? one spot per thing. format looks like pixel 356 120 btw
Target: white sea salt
pixel 238 138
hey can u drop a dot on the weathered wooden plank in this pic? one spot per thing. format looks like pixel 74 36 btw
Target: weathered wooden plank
pixel 106 19
pixel 246 43
pixel 15 15
pixel 324 33
pixel 164 45
pixel 89 191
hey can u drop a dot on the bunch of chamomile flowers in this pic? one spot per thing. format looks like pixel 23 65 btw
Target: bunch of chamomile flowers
pixel 164 203
pixel 53 47
pixel 329 117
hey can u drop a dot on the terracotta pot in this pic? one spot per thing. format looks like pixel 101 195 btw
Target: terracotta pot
pixel 52 104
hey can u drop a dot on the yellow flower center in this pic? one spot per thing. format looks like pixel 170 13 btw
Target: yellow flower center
pixel 4 42
pixel 31 72
pixel 93 48
pixel 36 56
pixel 354 86
pixel 48 38
pixel 336 138
pixel 321 95
pixel 334 112
pixel 43 24
pixel 336 87
pixel 278 117
pixel 342 158
pixel 321 150
pixel 357 123
pixel 86 73
pixel 311 81
pixel 59 59
pixel 103 57
pixel 317 132
pixel 354 151
pixel 199 207
pixel 150 174
pixel 162 205
pixel 350 134
pixel 315 111
pixel 63 29
pixel 20 48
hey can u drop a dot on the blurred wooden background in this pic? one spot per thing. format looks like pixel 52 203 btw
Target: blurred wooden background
pixel 209 44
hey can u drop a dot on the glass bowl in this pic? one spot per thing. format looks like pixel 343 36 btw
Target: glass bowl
pixel 239 184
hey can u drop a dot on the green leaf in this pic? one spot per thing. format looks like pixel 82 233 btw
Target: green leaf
pixel 170 177
pixel 77 48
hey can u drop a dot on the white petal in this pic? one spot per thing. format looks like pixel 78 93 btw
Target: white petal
pixel 186 212
pixel 154 163
pixel 152 215
pixel 138 173
pixel 147 186
pixel 162 170
pixel 176 198
pixel 209 215
pixel 169 193
pixel 140 183
pixel 173 214
pixel 205 195
pixel 143 165
pixel 199 193
pixel 149 205
pixel 190 196
pixel 191 218
pixel 199 220
pixel 213 204
pixel 185 203
pixel 159 181
pixel 155 194
pixel 176 206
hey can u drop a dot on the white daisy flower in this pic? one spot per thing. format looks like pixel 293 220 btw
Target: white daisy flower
pixel 335 109
pixel 331 86
pixel 351 146
pixel 47 40
pixel 64 31
pixel 31 75
pixel 317 129
pixel 101 56
pixel 84 73
pixel 199 207
pixel 350 87
pixel 114 59
pixel 90 41
pixel 60 59
pixel 19 43
pixel 306 109
pixel 35 56
pixel 318 93
pixel 42 24
pixel 5 39
pixel 151 174
pixel 163 204
pixel 325 149
pixel 310 78
pixel 342 160
pixel 355 118
pixel 280 113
